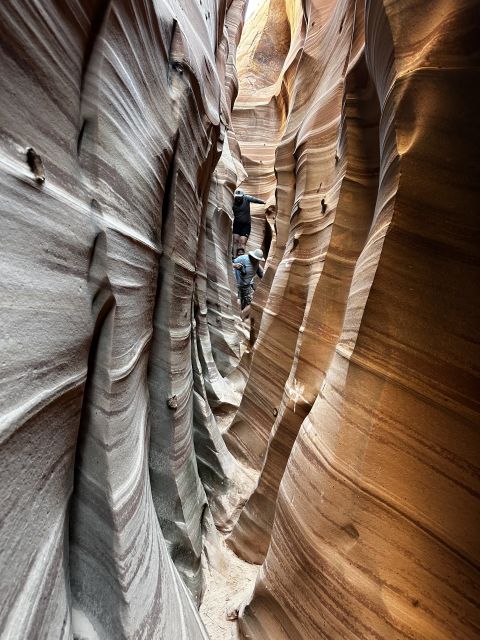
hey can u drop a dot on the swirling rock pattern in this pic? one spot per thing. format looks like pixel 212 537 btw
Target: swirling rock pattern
pixel 361 411
pixel 119 448
pixel 124 107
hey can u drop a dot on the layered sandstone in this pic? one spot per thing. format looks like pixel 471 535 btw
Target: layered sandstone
pixel 361 410
pixel 123 358
pixel 107 439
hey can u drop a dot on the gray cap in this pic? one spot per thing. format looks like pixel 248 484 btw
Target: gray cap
pixel 238 193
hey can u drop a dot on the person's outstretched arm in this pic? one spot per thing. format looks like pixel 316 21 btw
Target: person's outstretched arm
pixel 256 200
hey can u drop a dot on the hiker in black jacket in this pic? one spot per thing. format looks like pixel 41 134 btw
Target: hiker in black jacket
pixel 241 218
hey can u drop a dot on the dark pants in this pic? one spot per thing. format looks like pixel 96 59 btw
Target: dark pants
pixel 246 295
pixel 242 228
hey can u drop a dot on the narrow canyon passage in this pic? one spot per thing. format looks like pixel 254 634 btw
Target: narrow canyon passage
pixel 169 470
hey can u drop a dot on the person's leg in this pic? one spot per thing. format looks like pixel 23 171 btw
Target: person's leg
pixel 246 312
pixel 244 233
pixel 236 240
pixel 247 295
pixel 241 297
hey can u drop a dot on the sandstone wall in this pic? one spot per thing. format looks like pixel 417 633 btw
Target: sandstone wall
pixel 361 411
pixel 120 444
pixel 107 361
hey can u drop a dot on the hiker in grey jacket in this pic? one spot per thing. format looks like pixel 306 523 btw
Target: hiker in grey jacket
pixel 242 222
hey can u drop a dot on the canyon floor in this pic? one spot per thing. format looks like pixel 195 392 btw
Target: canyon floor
pixel 230 582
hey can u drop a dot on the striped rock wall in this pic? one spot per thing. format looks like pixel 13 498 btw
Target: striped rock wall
pixel 361 414
pixel 120 349
pixel 109 230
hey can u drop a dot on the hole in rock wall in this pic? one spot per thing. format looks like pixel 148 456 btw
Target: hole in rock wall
pixel 35 163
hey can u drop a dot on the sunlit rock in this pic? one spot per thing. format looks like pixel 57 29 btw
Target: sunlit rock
pixel 361 410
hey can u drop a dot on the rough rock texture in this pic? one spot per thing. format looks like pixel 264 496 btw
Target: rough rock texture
pixel 107 362
pixel 361 410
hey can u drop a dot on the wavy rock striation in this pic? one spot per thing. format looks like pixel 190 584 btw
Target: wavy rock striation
pixel 111 356
pixel 121 448
pixel 361 410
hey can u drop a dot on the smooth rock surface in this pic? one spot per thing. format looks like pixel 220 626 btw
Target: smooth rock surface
pixel 105 343
pixel 361 411
pixel 350 470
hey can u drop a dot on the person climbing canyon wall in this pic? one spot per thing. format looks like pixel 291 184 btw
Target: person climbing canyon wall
pixel 337 448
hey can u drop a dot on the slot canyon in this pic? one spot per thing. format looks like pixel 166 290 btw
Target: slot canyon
pixel 169 470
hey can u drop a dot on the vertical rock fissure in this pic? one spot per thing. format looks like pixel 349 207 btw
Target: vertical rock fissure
pixel 91 537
